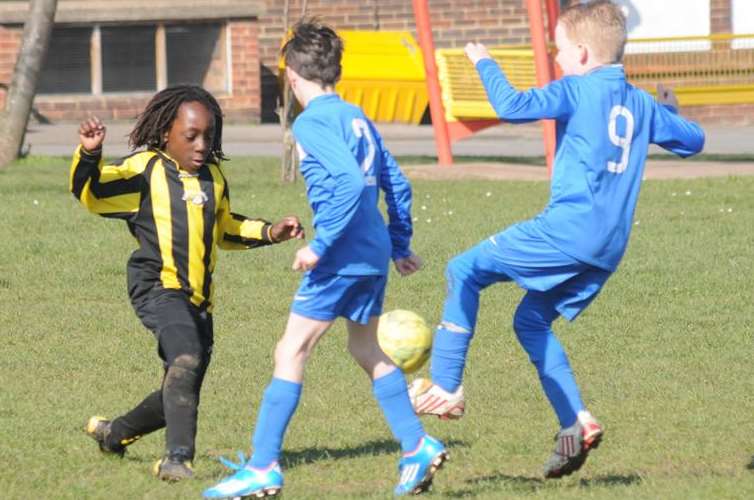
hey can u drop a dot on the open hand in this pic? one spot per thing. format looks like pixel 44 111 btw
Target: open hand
pixel 92 134
pixel 408 265
pixel 476 52
pixel 287 228
pixel 305 259
pixel 665 95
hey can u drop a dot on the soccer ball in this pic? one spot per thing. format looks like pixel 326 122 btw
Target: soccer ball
pixel 406 339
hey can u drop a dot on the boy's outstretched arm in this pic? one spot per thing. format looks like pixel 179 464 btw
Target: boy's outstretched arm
pixel 398 196
pixel 107 190
pixel 239 232
pixel 670 130
pixel 550 102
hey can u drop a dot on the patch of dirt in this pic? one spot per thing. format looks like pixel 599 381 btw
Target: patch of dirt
pixel 664 169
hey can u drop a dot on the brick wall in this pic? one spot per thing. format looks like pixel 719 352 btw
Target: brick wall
pixel 721 114
pixel 244 100
pixel 720 16
pixel 454 23
pixel 10 44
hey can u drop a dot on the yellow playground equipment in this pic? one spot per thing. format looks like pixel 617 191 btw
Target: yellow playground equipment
pixel 383 73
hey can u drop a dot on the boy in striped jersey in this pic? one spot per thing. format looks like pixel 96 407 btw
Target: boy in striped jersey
pixel 174 198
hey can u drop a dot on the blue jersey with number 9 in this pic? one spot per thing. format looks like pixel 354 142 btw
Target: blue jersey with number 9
pixel 345 165
pixel 604 128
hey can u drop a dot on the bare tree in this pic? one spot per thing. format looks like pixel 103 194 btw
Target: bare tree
pixel 20 97
pixel 286 113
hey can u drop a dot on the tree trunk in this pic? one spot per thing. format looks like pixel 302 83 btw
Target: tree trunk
pixel 286 113
pixel 20 98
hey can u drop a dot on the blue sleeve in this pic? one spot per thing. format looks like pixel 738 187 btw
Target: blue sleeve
pixel 554 101
pixel 398 200
pixel 319 140
pixel 673 132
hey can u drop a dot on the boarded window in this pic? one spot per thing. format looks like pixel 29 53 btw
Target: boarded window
pixel 196 55
pixel 67 68
pixel 128 59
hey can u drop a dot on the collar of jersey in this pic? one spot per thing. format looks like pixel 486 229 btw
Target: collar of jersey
pixel 182 172
pixel 607 70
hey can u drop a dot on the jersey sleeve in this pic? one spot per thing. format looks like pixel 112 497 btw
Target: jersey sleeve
pixel 332 153
pixel 398 196
pixel 238 232
pixel 108 190
pixel 557 100
pixel 673 132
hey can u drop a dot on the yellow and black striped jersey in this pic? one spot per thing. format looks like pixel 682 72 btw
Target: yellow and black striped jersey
pixel 178 218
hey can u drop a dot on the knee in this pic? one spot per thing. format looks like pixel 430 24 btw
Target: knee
pixel 287 351
pixel 526 321
pixel 456 268
pixel 188 362
pixel 182 379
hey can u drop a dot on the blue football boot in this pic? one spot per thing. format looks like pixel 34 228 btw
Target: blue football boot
pixel 247 481
pixel 417 468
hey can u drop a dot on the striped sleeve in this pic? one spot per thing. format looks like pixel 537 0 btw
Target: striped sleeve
pixel 107 190
pixel 239 232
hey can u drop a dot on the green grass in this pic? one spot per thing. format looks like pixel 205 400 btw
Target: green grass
pixel 664 356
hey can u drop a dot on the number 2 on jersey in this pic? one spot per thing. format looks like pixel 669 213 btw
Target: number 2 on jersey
pixel 623 142
pixel 361 129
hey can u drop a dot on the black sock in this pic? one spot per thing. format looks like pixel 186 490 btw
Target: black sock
pixel 148 416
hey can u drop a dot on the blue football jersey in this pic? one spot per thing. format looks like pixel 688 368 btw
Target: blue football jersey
pixel 604 128
pixel 345 164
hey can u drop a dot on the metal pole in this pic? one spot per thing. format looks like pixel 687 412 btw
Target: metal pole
pixel 436 109
pixel 544 75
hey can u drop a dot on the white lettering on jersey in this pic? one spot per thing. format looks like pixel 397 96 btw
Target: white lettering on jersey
pixel 361 129
pixel 622 142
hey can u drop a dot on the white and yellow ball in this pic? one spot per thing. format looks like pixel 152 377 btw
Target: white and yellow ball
pixel 406 339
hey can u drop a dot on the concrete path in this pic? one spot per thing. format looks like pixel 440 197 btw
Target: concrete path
pixel 265 140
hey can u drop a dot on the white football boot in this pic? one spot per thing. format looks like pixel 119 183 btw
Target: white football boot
pixel 573 446
pixel 430 399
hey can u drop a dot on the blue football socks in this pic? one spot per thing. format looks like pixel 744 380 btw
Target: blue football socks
pixel 278 405
pixel 449 358
pixel 391 393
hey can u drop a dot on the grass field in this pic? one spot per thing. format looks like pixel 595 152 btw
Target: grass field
pixel 664 356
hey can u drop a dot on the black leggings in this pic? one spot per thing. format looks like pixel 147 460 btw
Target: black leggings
pixel 184 335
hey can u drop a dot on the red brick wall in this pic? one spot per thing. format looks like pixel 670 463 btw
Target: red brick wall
pixel 720 16
pixel 245 98
pixel 74 108
pixel 721 114
pixel 10 44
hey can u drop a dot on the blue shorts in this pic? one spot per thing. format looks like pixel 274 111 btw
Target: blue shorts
pixel 521 255
pixel 324 297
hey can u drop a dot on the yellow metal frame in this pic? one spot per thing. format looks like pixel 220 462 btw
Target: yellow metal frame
pixel 463 94
pixel 722 74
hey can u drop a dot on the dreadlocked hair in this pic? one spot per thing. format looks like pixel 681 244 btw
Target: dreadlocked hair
pixel 157 118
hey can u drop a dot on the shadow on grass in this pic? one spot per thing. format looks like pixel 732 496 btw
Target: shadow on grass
pixel 370 448
pixel 524 484
pixel 751 464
